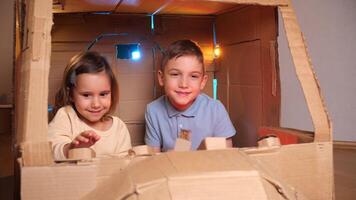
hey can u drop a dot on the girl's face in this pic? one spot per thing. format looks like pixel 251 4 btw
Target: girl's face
pixel 92 96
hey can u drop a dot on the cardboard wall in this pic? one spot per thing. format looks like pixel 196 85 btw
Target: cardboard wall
pixel 6 50
pixel 137 80
pixel 329 29
pixel 6 95
pixel 245 72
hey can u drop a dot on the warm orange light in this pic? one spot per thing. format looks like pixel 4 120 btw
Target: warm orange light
pixel 217 51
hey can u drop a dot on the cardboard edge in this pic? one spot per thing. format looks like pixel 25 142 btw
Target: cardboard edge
pixel 306 75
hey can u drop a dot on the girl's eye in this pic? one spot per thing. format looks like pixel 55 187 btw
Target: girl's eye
pixel 104 94
pixel 85 95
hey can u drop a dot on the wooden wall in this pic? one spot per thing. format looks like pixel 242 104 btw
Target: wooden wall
pixel 72 33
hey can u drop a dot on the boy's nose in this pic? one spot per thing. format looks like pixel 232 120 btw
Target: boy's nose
pixel 183 82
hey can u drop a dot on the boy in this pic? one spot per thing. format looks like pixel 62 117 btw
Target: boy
pixel 183 107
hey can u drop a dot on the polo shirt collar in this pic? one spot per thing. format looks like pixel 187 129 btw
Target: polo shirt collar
pixel 190 112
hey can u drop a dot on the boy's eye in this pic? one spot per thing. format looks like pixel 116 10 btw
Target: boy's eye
pixel 195 76
pixel 173 74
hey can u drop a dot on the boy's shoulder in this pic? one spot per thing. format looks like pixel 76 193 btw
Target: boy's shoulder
pixel 206 101
pixel 157 104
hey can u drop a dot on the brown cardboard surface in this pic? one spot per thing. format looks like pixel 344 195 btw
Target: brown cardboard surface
pixel 57 182
pixel 266 173
pixel 245 70
pixel 182 145
pixel 196 173
pixel 302 166
pixel 228 34
pixel 258 2
pixel 31 113
pixel 213 143
pixel 306 75
pixel 137 132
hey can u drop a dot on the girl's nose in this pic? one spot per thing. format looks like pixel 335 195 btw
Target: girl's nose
pixel 95 102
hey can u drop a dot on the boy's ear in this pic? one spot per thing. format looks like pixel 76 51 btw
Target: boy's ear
pixel 160 77
pixel 203 82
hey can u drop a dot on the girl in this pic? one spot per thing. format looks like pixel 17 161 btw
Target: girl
pixel 87 97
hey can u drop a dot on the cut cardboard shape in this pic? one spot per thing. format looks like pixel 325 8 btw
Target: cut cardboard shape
pixel 182 145
pixel 141 150
pixel 81 154
pixel 213 143
pixel 287 135
pixel 220 174
pixel 269 141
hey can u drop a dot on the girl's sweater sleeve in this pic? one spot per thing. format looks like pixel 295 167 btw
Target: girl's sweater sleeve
pixel 60 133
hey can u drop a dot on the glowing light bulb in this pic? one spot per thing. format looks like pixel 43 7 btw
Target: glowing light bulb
pixel 217 51
pixel 136 55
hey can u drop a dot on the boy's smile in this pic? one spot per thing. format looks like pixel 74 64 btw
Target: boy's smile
pixel 183 78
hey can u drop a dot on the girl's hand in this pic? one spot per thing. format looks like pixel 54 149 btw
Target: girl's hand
pixel 85 139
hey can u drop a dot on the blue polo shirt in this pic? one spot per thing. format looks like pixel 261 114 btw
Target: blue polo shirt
pixel 206 117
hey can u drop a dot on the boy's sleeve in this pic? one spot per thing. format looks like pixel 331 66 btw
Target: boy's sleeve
pixel 152 136
pixel 59 133
pixel 224 126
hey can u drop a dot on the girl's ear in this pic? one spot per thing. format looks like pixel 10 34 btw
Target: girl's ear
pixel 160 77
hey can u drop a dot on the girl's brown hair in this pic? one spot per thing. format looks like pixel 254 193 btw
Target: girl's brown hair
pixel 85 62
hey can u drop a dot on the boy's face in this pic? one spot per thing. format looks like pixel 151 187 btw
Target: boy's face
pixel 183 78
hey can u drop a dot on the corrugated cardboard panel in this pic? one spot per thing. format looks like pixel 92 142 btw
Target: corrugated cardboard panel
pixel 31 101
pixel 209 84
pixel 132 110
pixel 235 21
pixel 197 7
pixel 221 69
pixel 246 68
pixel 226 185
pixel 66 182
pixel 88 27
pixel 287 172
pixel 223 174
pixel 5 119
pixel 306 167
pixel 306 75
pixel 137 132
pixel 258 2
pixel 134 87
pixel 142 66
pixel 198 29
pixel 245 60
pixel 245 109
pixel 223 95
